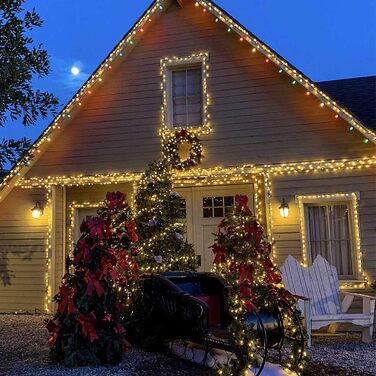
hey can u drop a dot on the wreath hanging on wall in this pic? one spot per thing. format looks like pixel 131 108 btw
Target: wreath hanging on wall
pixel 171 150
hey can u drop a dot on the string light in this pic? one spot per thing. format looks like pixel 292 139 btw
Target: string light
pixel 283 65
pixel 166 64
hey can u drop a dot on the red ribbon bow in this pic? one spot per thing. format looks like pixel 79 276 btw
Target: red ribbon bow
pixel 108 269
pixel 131 230
pixel 52 327
pixel 246 273
pixel 93 282
pixel 83 251
pixel 87 325
pixel 67 299
pixel 220 254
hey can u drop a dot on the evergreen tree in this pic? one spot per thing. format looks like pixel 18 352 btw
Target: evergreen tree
pixel 162 242
pixel 243 259
pixel 87 328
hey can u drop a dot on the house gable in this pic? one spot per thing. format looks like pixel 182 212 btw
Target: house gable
pixel 258 113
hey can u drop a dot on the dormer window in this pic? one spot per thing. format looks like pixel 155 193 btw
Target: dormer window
pixel 186 97
pixel 184 92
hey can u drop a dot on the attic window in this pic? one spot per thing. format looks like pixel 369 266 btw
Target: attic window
pixel 184 92
pixel 186 97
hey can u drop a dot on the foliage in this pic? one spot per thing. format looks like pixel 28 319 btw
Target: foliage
pixel 162 233
pixel 171 150
pixel 87 328
pixel 243 259
pixel 20 63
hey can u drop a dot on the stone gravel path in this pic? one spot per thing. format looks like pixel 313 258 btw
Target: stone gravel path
pixel 24 351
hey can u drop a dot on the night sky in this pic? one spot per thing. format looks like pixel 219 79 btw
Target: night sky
pixel 326 39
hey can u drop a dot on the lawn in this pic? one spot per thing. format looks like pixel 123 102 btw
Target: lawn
pixel 24 351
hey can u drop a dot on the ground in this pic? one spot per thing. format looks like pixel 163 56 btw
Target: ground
pixel 24 351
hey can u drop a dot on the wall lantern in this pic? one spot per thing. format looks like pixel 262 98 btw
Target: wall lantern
pixel 37 210
pixel 284 209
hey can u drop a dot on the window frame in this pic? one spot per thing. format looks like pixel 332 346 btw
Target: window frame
pixel 349 199
pixel 170 64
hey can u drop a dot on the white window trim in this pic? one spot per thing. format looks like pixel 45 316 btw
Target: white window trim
pixel 74 207
pixel 167 66
pixel 350 199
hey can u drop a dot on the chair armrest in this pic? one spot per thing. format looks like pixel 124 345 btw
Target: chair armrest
pixel 363 296
pixel 368 302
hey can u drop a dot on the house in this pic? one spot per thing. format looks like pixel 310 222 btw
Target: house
pixel 306 162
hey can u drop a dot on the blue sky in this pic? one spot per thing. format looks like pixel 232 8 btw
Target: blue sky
pixel 326 39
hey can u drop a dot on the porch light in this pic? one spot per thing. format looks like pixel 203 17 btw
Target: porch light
pixel 284 209
pixel 37 210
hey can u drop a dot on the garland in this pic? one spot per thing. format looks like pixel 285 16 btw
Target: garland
pixel 242 256
pixel 171 150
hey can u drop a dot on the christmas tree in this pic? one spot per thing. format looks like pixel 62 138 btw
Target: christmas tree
pixel 243 259
pixel 162 233
pixel 87 328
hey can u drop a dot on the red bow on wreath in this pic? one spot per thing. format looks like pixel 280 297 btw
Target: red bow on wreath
pixel 87 325
pixel 66 296
pixel 93 282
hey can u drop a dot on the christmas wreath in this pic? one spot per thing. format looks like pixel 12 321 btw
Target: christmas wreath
pixel 171 150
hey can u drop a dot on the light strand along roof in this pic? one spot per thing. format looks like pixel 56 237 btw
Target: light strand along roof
pixel 124 47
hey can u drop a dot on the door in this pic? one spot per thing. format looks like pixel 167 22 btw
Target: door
pixel 209 206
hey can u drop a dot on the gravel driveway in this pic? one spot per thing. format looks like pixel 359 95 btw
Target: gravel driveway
pixel 24 351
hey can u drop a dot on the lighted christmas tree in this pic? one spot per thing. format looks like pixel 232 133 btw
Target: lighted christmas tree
pixel 87 328
pixel 162 232
pixel 243 259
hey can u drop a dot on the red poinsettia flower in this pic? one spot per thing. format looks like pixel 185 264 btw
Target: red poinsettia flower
pixel 115 200
pixel 123 260
pixel 253 231
pixel 96 227
pixel 241 204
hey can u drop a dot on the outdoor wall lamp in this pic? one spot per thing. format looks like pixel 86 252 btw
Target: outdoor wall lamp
pixel 37 210
pixel 284 209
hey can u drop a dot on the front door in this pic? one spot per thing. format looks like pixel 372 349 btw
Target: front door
pixel 205 208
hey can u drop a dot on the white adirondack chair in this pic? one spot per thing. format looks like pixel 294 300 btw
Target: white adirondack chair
pixel 322 306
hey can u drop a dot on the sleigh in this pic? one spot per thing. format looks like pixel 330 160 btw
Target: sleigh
pixel 187 312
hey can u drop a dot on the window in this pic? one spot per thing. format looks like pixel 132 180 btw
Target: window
pixel 183 208
pixel 217 207
pixel 186 97
pixel 329 235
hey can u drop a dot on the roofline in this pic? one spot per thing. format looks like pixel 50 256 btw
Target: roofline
pixel 19 169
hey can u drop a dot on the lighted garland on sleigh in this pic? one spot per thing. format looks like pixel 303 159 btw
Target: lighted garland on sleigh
pixel 243 258
pixel 171 150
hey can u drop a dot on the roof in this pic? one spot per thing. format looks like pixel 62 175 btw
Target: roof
pixel 358 95
pixel 124 48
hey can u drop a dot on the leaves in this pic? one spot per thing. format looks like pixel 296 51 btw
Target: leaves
pixel 20 64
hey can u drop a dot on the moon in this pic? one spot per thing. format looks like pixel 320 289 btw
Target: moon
pixel 75 71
